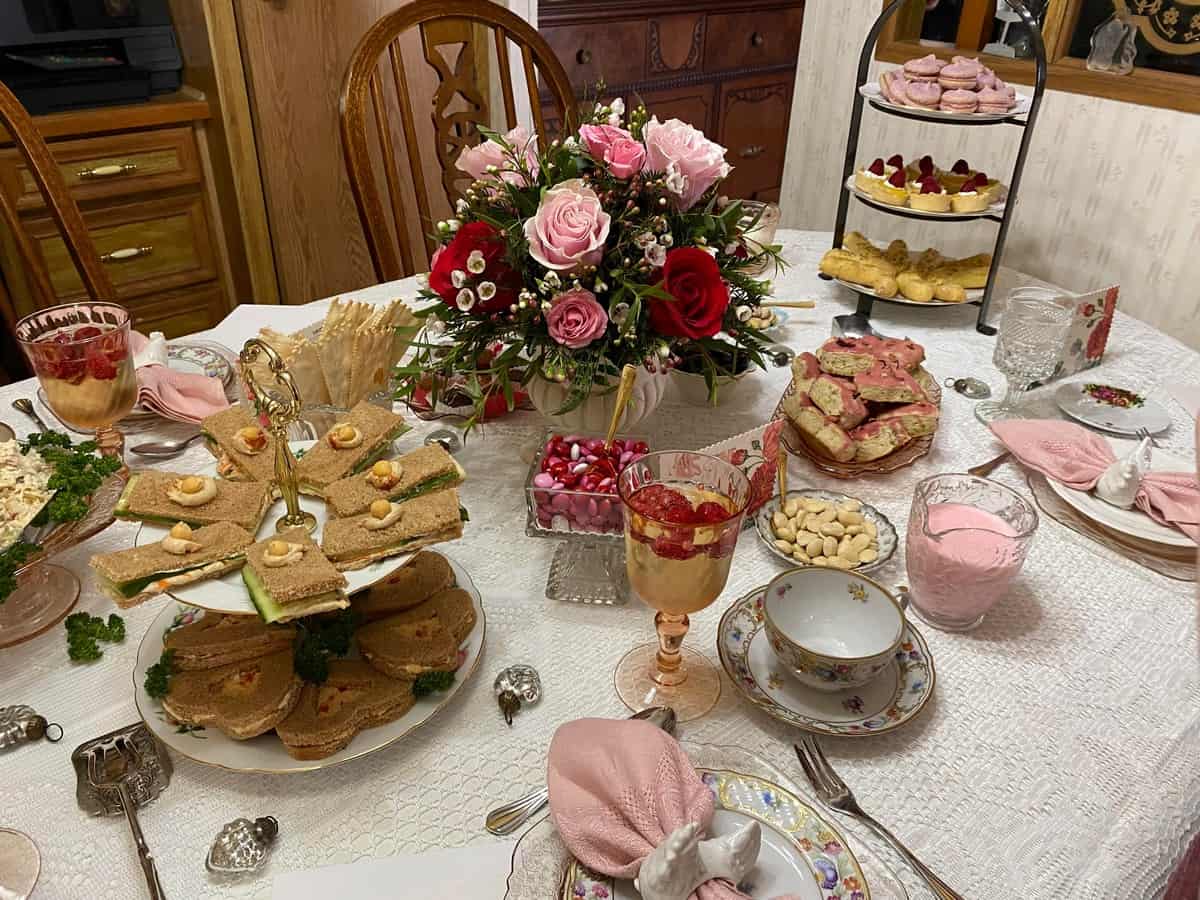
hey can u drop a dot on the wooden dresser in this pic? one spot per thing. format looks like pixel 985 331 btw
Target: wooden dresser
pixel 726 67
pixel 142 180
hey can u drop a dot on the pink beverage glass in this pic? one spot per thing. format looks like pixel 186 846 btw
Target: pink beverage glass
pixel 967 540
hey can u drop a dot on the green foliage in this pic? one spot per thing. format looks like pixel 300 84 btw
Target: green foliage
pixel 432 682
pixel 474 357
pixel 12 559
pixel 78 471
pixel 84 633
pixel 158 676
pixel 319 640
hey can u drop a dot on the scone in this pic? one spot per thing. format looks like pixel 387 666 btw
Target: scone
pixel 877 439
pixel 834 396
pixel 888 383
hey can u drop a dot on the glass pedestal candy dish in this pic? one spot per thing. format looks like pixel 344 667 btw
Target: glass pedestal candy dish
pixel 571 496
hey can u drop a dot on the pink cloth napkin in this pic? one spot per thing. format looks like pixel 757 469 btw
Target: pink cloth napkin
pixel 1076 457
pixel 180 396
pixel 618 789
pixel 1185 881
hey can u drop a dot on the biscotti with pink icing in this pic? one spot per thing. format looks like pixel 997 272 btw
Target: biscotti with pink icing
pixel 903 352
pixel 805 369
pixel 830 437
pixel 877 439
pixel 845 356
pixel 888 383
pixel 835 397
pixel 917 418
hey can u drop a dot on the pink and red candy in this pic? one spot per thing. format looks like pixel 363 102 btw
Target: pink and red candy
pixel 64 356
pixel 578 481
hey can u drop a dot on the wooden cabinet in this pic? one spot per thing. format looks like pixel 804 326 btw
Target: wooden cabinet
pixel 726 66
pixel 139 177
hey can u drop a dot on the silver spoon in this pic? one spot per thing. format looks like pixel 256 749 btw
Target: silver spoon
pixel 166 448
pixel 508 818
pixel 24 405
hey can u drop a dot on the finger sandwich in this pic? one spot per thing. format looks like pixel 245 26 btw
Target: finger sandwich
pixel 422 471
pixel 351 445
pixel 389 529
pixel 164 498
pixel 288 577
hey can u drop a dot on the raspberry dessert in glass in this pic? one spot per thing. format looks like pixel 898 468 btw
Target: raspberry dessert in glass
pixel 682 512
pixel 80 354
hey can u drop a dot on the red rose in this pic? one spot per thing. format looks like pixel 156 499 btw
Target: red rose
pixel 692 277
pixel 453 257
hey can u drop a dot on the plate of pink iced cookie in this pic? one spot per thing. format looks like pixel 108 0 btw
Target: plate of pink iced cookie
pixel 936 89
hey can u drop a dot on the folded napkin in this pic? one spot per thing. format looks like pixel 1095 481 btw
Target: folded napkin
pixel 618 789
pixel 1076 457
pixel 180 396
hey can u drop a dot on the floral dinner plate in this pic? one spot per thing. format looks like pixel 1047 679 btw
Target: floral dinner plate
pixel 1110 408
pixel 802 854
pixel 894 698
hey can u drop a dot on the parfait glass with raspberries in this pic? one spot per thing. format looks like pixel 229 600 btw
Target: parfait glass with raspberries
pixel 682 513
pixel 80 354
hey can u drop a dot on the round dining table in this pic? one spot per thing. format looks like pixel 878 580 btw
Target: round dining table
pixel 1058 757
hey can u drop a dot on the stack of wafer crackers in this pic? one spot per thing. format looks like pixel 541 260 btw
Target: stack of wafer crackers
pixel 349 358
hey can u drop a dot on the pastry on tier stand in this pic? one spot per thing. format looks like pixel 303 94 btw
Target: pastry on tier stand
pixel 973 196
pixel 928 195
pixel 893 191
pixel 960 173
pixel 876 173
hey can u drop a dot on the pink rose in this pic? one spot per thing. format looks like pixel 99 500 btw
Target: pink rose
pixel 690 161
pixel 575 318
pixel 521 144
pixel 569 229
pixel 616 147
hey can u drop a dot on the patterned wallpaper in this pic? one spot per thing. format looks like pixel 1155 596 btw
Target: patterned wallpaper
pixel 1111 191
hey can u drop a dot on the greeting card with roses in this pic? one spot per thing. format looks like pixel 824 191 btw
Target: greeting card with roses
pixel 581 255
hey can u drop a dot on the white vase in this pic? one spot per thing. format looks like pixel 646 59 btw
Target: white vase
pixel 692 390
pixel 594 413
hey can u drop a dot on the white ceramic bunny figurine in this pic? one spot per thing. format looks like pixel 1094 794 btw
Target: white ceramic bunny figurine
pixel 683 862
pixel 1119 483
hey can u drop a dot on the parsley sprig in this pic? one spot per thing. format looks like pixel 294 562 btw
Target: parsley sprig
pixel 84 633
pixel 319 641
pixel 11 559
pixel 431 682
pixel 158 676
pixel 78 471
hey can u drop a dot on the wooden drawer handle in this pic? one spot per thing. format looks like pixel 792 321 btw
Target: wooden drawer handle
pixel 108 171
pixel 757 39
pixel 752 151
pixel 583 57
pixel 125 254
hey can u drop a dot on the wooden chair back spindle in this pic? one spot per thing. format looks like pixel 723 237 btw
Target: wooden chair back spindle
pixel 46 175
pixel 458 108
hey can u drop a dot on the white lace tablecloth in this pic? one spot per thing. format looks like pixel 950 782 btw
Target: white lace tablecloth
pixel 1059 757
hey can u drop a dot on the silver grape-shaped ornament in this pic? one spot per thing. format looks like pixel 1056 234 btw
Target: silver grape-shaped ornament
pixel 515 684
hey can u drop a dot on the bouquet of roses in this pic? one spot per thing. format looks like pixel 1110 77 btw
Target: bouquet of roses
pixel 606 248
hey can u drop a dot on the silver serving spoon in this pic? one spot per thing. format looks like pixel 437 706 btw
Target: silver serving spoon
pixel 508 818
pixel 24 405
pixel 166 448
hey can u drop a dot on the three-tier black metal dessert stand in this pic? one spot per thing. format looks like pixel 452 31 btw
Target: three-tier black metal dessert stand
pixel 1023 119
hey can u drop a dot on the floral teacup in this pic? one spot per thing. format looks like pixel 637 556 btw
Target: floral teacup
pixel 834 629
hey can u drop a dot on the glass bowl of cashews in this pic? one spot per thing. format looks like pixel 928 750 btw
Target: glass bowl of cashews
pixel 824 528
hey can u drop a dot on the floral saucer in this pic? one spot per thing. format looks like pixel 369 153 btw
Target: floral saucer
pixel 1116 410
pixel 802 854
pixel 886 703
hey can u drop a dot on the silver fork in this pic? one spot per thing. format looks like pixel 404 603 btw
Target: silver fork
pixel 833 792
pixel 1144 434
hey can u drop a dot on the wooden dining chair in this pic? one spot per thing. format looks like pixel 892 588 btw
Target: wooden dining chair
pixel 45 173
pixel 458 108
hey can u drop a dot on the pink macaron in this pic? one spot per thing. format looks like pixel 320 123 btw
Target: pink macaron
pixel 963 76
pixel 959 101
pixel 893 87
pixel 924 69
pixel 925 94
pixel 993 101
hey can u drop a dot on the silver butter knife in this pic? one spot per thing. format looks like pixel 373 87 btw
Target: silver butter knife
pixel 508 818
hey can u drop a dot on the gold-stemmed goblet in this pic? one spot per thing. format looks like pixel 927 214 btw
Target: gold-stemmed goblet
pixel 683 512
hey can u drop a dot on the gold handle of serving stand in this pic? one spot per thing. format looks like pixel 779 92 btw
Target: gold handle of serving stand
pixel 281 411
pixel 624 390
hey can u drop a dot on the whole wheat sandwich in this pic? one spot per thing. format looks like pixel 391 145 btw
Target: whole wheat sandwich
pixel 409 586
pixel 132 576
pixel 243 448
pixel 214 640
pixel 388 529
pixel 351 445
pixel 243 699
pixel 452 608
pixel 406 649
pixel 288 577
pixel 422 471
pixel 328 716
pixel 165 498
